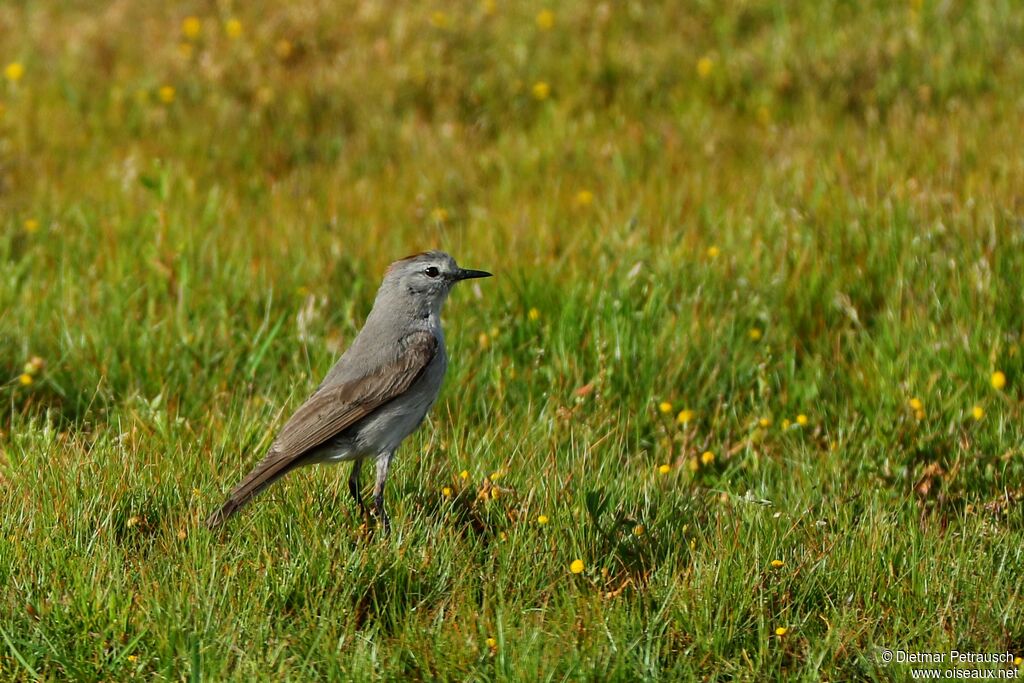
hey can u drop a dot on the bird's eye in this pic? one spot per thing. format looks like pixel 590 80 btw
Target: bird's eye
pixel 432 271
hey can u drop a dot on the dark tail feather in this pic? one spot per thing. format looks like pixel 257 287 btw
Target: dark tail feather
pixel 270 469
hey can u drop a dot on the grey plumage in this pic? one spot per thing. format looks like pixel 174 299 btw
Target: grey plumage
pixel 377 393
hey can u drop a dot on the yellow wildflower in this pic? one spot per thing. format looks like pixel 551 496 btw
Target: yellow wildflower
pixel 233 28
pixel 765 422
pixel 664 469
pixel 665 407
pixel 133 658
pixel 576 567
pixel 491 643
pixel 998 380
pixel 541 90
pixel 781 631
pixel 639 530
pixel 133 520
pixel 31 225
pixel 190 27
pixel 802 420
pixel 483 340
pixel 713 251
pixel 584 198
pixel 14 71
pixel 977 412
pixel 166 94
pixel 542 519
pixel 439 20
pixel 25 379
pixel 707 457
pixel 446 492
pixel 533 314
pixel 464 474
pixel 786 424
pixel 545 20
pixel 777 563
pixel 684 416
pixel 705 66
pixel 916 404
pixel 754 334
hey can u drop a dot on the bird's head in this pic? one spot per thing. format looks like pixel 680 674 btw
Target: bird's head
pixel 427 277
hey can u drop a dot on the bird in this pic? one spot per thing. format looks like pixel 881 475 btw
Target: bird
pixel 378 392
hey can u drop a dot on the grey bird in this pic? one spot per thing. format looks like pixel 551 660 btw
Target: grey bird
pixel 377 393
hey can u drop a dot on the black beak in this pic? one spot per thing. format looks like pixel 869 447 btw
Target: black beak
pixel 467 274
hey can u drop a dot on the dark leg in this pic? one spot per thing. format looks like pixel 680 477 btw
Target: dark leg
pixel 383 463
pixel 353 485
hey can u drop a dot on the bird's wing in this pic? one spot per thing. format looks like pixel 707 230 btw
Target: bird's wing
pixel 330 411
pixel 333 409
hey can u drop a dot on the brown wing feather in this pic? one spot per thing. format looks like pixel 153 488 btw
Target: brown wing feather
pixel 327 413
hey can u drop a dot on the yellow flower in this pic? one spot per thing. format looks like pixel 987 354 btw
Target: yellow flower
pixel 491 643
pixel 665 407
pixel 133 658
pixel 639 530
pixel 713 252
pixel 545 20
pixel 584 198
pixel 133 520
pixel 446 492
pixel 781 631
pixel 541 90
pixel 533 314
pixel 786 424
pixel 1018 660
pixel 464 474
pixel 25 379
pixel 916 404
pixel 495 493
pixel 754 334
pixel 439 214
pixel 283 48
pixel 977 412
pixel 191 26
pixel 233 28
pixel 802 420
pixel 439 20
pixel 14 71
pixel 31 225
pixel 777 563
pixel 664 469
pixel 576 567
pixel 765 422
pixel 166 94
pixel 918 414
pixel 705 66
pixel 542 519
pixel 707 457
pixel 684 416
pixel 483 340
pixel 998 380
pixel 496 475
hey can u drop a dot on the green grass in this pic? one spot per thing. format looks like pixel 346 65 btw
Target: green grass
pixel 845 178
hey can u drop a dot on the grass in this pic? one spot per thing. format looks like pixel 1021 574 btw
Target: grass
pixel 194 225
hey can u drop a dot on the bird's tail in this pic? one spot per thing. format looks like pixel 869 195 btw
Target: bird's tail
pixel 270 469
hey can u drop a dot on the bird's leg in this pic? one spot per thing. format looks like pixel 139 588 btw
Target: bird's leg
pixel 353 485
pixel 383 463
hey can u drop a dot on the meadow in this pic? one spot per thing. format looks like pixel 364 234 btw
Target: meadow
pixel 743 402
